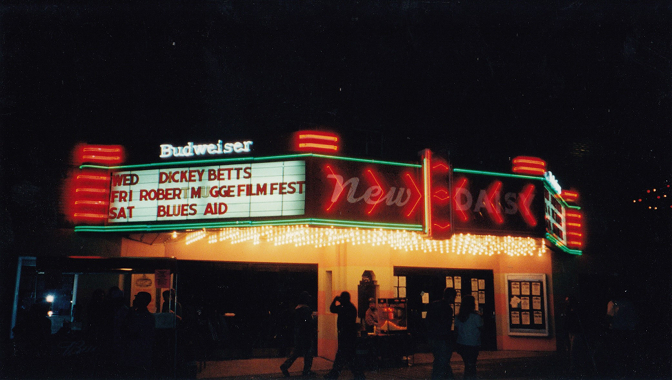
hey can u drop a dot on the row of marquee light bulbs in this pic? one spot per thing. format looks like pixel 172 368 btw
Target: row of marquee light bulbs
pixel 303 235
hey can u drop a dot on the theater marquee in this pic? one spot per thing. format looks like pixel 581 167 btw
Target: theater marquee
pixel 208 192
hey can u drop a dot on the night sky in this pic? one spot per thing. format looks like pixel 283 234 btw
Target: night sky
pixel 585 86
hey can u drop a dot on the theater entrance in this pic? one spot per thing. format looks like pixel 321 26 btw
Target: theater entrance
pixel 424 285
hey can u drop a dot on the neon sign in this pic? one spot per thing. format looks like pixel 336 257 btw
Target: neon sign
pixel 436 172
pixel 316 141
pixel 192 150
pixel 496 204
pixel 366 192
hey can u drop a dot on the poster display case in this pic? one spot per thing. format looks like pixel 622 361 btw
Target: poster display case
pixel 527 305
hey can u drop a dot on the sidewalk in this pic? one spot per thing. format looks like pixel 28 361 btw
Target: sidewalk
pixel 491 365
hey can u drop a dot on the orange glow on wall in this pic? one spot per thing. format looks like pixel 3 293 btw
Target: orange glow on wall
pixel 316 142
pixel 529 165
pixel 99 154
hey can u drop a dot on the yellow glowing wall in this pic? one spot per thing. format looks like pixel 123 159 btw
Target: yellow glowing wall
pixel 340 268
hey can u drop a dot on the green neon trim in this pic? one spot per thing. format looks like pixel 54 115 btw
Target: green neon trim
pixel 562 246
pixel 496 174
pixel 249 223
pixel 243 159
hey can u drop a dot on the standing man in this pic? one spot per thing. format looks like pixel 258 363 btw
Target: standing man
pixel 441 337
pixel 347 337
pixel 304 332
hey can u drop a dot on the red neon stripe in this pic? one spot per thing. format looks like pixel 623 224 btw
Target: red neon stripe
pixel 380 187
pixel 441 194
pixel 528 170
pixel 460 185
pixel 495 214
pixel 442 226
pixel 89 215
pixel 318 146
pixel 90 190
pixel 318 137
pixel 577 225
pixel 419 193
pixel 441 167
pixel 101 149
pixel 340 187
pixel 532 163
pixel 524 202
pixel 93 177
pixel 94 203
pixel 535 161
pixel 102 158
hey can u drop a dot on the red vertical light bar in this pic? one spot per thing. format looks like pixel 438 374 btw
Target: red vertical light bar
pixel 574 229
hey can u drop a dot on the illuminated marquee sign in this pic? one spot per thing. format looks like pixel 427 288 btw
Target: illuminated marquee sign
pixel 367 192
pixel 495 203
pixel 196 150
pixel 208 192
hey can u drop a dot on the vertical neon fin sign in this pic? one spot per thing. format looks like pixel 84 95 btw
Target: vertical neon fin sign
pixel 427 187
pixel 436 177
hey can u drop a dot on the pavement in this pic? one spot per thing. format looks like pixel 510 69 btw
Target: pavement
pixel 491 365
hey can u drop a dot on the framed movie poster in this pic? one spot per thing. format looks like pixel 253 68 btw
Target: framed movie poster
pixel 527 307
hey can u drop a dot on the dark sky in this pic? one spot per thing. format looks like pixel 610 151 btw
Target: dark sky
pixel 585 86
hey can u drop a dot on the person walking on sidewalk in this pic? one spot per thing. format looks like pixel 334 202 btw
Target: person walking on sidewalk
pixel 347 337
pixel 468 325
pixel 304 333
pixel 441 337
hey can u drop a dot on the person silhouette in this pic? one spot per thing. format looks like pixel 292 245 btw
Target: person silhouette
pixel 347 337
pixel 468 325
pixel 138 333
pixel 304 333
pixel 170 300
pixel 441 337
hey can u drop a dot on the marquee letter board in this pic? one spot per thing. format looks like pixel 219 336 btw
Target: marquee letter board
pixel 527 304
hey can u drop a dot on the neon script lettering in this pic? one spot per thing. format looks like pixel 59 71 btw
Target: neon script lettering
pixel 372 196
pixel 191 149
